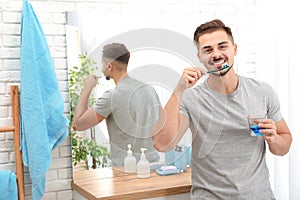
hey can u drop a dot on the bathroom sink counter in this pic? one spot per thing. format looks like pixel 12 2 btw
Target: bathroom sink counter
pixel 114 183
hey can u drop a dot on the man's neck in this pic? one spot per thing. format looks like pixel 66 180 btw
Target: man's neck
pixel 120 76
pixel 224 84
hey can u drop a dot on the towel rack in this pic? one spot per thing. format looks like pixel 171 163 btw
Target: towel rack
pixel 14 93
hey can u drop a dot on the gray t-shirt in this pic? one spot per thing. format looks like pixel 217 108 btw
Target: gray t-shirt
pixel 130 109
pixel 228 163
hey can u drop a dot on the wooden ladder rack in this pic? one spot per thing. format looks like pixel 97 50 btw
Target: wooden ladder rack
pixel 14 92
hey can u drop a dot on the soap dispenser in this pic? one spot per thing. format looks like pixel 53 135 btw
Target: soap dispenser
pixel 143 166
pixel 129 161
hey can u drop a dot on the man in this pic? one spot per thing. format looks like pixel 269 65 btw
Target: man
pixel 130 109
pixel 227 162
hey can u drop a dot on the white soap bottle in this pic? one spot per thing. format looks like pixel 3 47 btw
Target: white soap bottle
pixel 143 166
pixel 129 161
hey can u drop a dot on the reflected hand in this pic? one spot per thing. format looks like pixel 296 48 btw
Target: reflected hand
pixel 90 81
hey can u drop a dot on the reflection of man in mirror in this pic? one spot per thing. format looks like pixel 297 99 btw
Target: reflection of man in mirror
pixel 130 109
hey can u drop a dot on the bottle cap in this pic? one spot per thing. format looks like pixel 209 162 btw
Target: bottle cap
pixel 129 152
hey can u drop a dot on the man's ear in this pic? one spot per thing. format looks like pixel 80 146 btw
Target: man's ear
pixel 110 66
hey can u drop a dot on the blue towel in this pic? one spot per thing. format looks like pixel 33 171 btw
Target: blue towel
pixel 43 124
pixel 8 185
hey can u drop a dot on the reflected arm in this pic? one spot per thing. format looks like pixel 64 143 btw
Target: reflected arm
pixel 85 117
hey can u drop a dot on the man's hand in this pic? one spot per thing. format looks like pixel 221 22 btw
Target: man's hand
pixel 269 130
pixel 90 82
pixel 190 77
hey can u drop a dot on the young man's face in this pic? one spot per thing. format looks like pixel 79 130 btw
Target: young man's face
pixel 215 49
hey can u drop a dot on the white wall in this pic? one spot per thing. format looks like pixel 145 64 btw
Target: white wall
pixel 239 15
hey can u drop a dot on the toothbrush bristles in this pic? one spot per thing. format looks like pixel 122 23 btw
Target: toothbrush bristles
pixel 224 66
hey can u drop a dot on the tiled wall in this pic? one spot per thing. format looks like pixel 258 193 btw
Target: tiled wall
pixel 240 15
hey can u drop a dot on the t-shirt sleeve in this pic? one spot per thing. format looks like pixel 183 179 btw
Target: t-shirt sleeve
pixel 103 105
pixel 273 104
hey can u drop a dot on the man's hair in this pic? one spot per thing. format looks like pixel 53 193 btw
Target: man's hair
pixel 116 52
pixel 210 27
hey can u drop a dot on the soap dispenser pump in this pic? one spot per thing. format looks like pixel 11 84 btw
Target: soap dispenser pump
pixel 143 166
pixel 129 161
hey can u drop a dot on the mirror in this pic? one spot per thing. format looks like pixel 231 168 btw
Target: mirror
pixel 161 46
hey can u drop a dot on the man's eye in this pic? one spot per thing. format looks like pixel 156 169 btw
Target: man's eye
pixel 207 51
pixel 223 47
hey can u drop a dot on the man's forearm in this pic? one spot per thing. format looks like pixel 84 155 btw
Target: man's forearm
pixel 82 105
pixel 282 144
pixel 165 132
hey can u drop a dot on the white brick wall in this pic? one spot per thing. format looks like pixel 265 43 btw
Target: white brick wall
pixel 238 14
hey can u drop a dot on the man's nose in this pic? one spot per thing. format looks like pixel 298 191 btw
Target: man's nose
pixel 216 54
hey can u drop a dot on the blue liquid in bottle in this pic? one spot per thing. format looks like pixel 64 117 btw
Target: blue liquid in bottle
pixel 255 129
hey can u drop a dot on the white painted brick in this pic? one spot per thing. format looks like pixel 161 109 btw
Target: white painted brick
pixel 2 89
pixel 6 146
pixel 58 163
pixel 65 173
pixel 63 86
pixel 67 108
pixel 66 142
pixel 181 8
pixel 11 17
pixel 65 151
pixel 141 8
pixel 3 158
pixel 52 6
pixel 3 112
pixel 219 10
pixel 49 196
pixel 12 64
pixel 4 100
pixel 60 63
pixel 10 52
pixel 58 52
pixel 26 176
pixel 9 29
pixel 55 153
pixel 51 175
pixel 54 29
pixel 2 136
pixel 59 41
pixel 98 7
pixel 49 39
pixel 8 5
pixel 10 136
pixel 61 75
pixel 44 17
pixel 58 185
pixel 203 2
pixel 12 158
pixel 65 96
pixel 11 41
pixel 8 166
pixel 59 18
pixel 65 195
pixel 9 76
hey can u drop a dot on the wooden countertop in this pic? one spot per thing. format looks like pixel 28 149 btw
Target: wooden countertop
pixel 113 183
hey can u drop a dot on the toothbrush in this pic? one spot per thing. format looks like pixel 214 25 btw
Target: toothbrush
pixel 224 66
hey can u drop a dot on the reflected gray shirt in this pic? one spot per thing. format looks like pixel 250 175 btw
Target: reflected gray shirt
pixel 130 110
pixel 228 163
